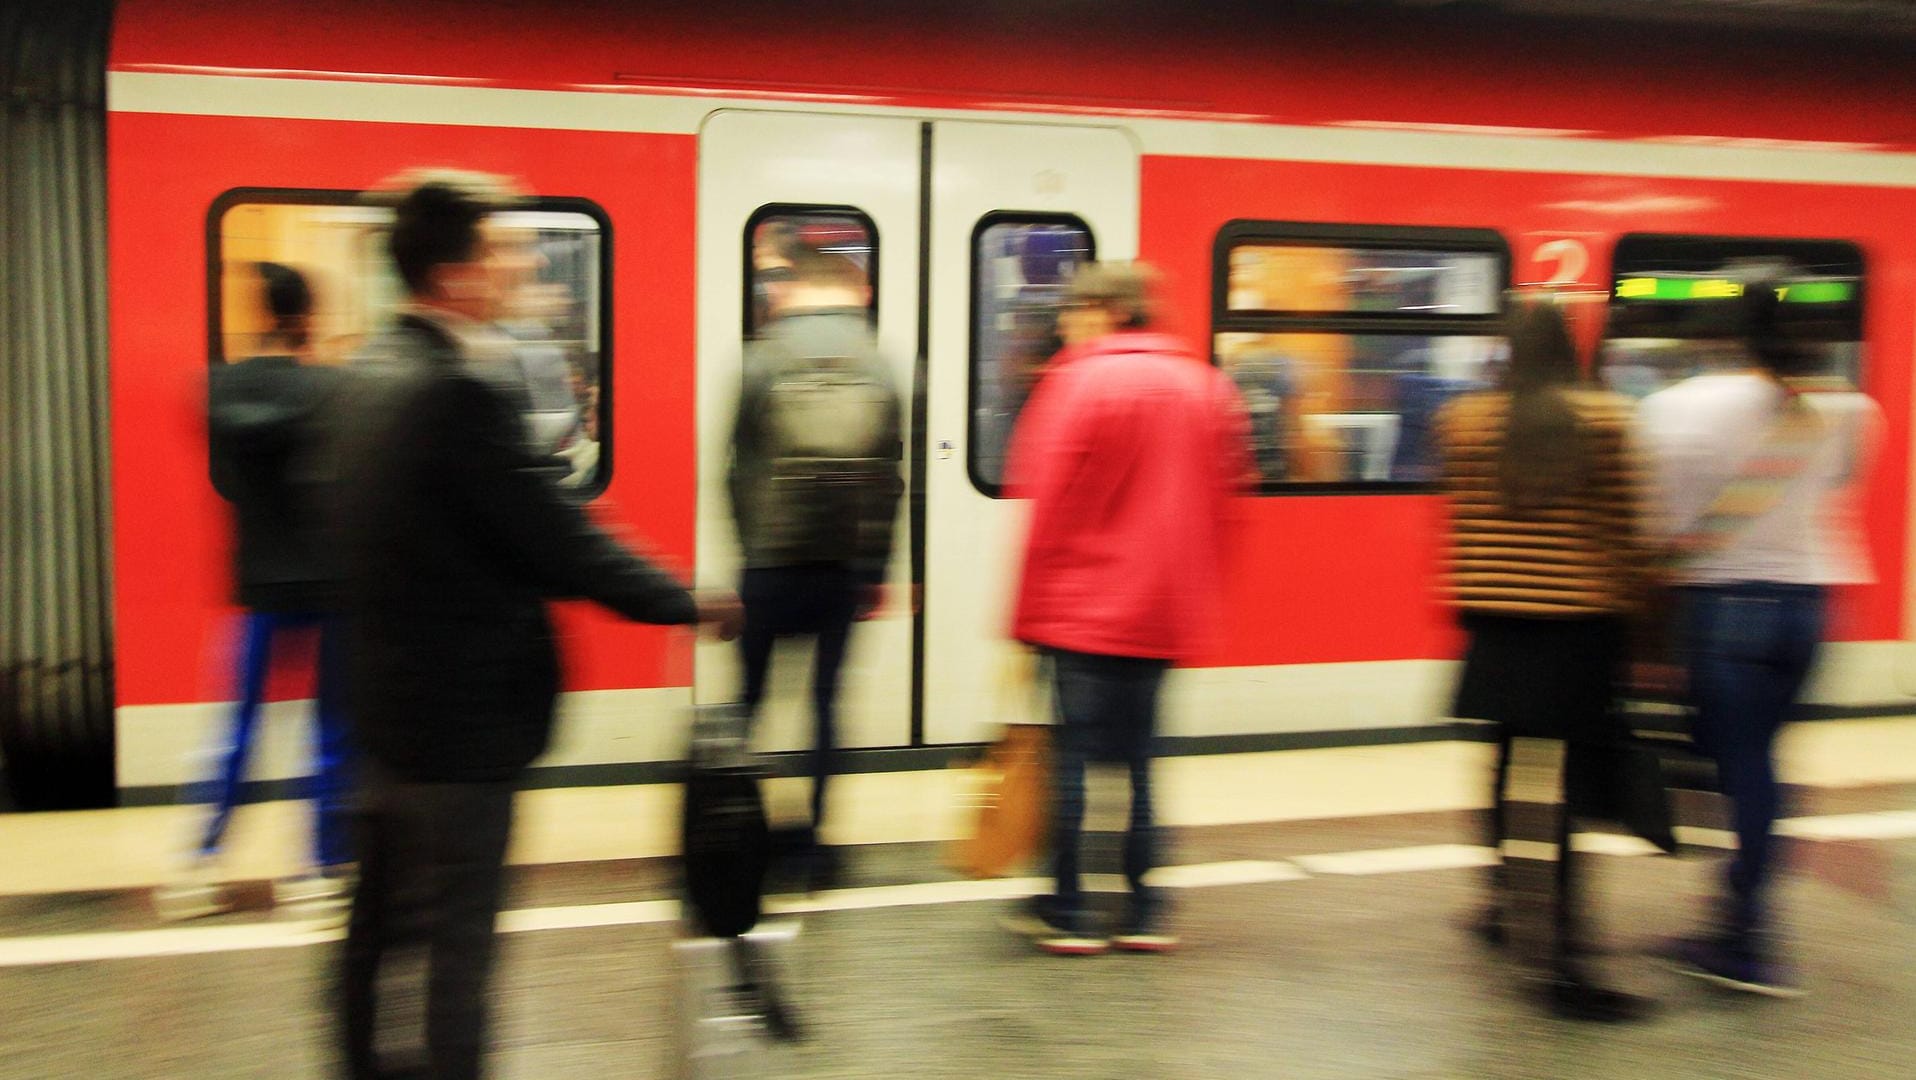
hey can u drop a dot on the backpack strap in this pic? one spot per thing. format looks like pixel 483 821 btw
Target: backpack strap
pixel 1758 485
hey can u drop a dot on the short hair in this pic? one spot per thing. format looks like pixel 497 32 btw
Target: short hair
pixel 824 269
pixel 436 217
pixel 1126 289
pixel 288 296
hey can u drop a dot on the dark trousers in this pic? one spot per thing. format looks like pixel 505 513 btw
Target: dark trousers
pixel 1556 830
pixel 332 844
pixel 818 601
pixel 1107 709
pixel 431 871
pixel 1750 649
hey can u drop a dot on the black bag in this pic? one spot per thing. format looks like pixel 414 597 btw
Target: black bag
pixel 1623 781
pixel 726 842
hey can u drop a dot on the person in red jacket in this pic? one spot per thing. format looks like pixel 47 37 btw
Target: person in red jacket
pixel 1130 450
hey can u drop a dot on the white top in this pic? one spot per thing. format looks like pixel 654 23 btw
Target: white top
pixel 1699 433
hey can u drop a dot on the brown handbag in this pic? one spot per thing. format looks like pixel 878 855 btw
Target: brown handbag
pixel 1009 790
pixel 1012 803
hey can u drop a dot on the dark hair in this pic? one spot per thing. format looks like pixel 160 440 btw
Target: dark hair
pixel 436 222
pixel 289 300
pixel 1545 458
pixel 1762 327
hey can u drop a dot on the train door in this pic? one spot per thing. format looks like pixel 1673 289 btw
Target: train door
pixel 1012 207
pixel 849 183
pixel 965 230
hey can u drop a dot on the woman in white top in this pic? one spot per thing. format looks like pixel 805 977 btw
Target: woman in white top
pixel 1755 473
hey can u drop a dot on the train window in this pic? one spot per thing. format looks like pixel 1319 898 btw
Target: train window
pixel 1345 340
pixel 1674 299
pixel 772 231
pixel 558 313
pixel 1019 265
pixel 1312 278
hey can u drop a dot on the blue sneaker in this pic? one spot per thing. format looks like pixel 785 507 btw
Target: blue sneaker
pixel 1052 931
pixel 1722 964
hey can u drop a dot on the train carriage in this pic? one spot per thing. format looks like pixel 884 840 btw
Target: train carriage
pixel 1339 204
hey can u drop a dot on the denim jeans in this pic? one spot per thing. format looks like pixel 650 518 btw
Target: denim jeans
pixel 332 840
pixel 1107 710
pixel 1750 648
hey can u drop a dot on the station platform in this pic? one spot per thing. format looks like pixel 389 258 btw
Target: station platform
pixel 1315 945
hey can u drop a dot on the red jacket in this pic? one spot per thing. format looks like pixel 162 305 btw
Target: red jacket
pixel 1130 451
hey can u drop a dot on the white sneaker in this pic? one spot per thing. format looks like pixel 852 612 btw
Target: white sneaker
pixel 323 898
pixel 196 894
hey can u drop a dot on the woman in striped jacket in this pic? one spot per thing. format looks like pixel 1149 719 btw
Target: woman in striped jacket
pixel 1544 565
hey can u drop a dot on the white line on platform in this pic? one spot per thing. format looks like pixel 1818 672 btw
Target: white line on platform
pixel 1397 860
pixel 46 949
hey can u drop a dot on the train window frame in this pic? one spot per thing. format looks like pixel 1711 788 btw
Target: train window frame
pixel 985 222
pixel 1680 252
pixel 1244 232
pixel 790 209
pixel 286 196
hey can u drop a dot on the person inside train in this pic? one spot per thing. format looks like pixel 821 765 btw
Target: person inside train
pixel 1545 557
pixel 814 483
pixel 1131 451
pixel 451 540
pixel 262 421
pixel 1756 470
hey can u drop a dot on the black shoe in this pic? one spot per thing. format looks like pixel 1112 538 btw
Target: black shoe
pixel 824 868
pixel 1489 927
pixel 1573 997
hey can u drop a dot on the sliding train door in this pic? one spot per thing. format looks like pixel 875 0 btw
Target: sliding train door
pixel 967 231
pixel 849 184
pixel 1013 208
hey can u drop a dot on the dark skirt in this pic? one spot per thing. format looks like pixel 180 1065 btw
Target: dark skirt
pixel 1542 677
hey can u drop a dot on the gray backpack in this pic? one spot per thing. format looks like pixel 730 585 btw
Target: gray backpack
pixel 827 423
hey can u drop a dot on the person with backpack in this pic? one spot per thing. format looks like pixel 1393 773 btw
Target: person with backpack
pixel 1756 471
pixel 262 415
pixel 814 484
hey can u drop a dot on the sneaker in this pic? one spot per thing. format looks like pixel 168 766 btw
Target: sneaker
pixel 1143 933
pixel 324 898
pixel 1721 964
pixel 1142 940
pixel 1052 933
pixel 196 894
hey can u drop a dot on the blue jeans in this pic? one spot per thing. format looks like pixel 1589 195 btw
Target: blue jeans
pixel 1750 648
pixel 330 781
pixel 1107 708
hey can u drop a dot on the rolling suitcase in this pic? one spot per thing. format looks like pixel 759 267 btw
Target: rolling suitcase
pixel 730 1000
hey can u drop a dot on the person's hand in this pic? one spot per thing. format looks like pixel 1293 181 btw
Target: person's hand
pixel 870 599
pixel 721 614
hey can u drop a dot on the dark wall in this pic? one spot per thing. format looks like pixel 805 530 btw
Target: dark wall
pixel 56 633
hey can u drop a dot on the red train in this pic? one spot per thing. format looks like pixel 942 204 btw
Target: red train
pixel 1339 203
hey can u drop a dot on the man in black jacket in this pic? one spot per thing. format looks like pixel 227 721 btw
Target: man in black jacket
pixel 452 541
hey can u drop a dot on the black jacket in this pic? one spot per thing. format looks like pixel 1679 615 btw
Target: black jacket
pixel 451 543
pixel 261 420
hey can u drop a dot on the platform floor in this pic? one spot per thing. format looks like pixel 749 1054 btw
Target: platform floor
pixel 1323 948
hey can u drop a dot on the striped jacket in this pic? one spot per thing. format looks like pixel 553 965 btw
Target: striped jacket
pixel 1583 556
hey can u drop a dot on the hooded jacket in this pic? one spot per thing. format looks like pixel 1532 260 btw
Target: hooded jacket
pixel 1130 450
pixel 262 417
